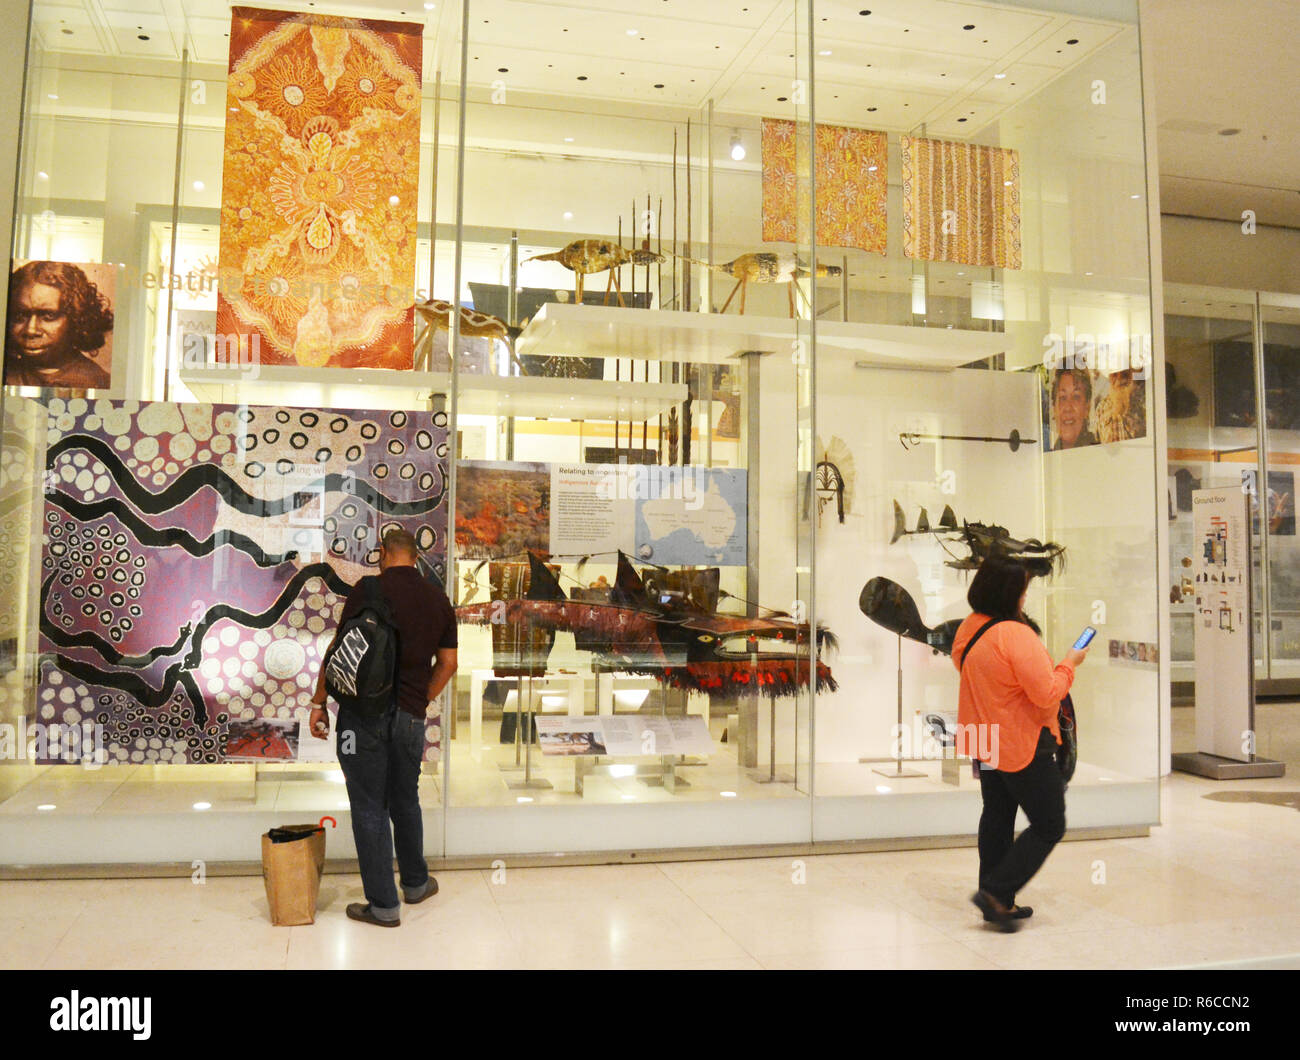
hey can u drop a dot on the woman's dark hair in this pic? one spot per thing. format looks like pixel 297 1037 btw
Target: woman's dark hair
pixel 997 587
pixel 90 317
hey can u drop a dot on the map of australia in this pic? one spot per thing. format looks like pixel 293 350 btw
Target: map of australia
pixel 695 517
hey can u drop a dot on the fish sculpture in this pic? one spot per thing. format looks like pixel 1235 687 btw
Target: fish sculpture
pixel 585 257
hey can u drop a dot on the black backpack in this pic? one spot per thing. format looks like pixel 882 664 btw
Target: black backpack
pixel 1067 754
pixel 361 667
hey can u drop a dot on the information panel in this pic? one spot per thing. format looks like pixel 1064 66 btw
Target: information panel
pixel 1225 680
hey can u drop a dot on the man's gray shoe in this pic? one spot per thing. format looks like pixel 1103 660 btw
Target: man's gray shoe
pixel 416 897
pixel 363 912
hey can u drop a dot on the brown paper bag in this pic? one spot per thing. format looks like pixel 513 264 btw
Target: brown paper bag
pixel 293 858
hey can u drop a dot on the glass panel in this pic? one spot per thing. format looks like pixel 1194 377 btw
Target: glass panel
pixel 625 432
pixel 1016 239
pixel 1212 437
pixel 1281 326
pixel 164 592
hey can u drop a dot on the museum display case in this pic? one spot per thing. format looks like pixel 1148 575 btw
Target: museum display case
pixel 704 351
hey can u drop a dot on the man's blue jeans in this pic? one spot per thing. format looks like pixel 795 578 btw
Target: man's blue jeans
pixel 381 759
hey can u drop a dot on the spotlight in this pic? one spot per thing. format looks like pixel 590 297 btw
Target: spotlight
pixel 737 148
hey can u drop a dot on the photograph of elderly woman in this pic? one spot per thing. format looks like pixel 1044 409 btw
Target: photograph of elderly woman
pixel 59 332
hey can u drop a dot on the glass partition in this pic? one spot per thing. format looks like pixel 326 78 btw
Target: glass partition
pixel 1213 438
pixel 666 332
pixel 1280 326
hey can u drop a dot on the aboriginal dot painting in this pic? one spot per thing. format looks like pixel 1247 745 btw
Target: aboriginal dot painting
pixel 322 166
pixel 195 559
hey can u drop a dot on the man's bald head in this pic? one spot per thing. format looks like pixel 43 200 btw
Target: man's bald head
pixel 399 549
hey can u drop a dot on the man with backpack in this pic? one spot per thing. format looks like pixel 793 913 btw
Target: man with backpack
pixel 382 671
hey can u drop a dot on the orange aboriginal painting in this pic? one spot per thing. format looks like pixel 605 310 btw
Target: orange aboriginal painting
pixel 961 202
pixel 851 185
pixel 318 213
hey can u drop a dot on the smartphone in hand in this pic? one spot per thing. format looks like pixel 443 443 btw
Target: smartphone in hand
pixel 1085 638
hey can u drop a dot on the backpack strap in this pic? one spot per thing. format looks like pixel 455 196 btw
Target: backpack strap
pixel 979 633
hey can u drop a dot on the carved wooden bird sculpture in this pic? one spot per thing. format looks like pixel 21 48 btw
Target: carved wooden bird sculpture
pixel 587 256
pixel 436 315
pixel 766 267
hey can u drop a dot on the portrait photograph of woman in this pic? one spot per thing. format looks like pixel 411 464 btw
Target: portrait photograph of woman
pixel 59 331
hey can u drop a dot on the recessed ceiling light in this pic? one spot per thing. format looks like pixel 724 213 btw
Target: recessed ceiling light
pixel 826 52
pixel 53 95
pixel 430 7
pixel 884 789
pixel 1073 40
pixel 42 175
pixel 727 794
pixel 568 215
pixel 737 148
pixel 969 25
pixel 199 185
pixel 568 139
pixel 999 77
pixel 632 32
pixel 1229 132
pixel 46 806
pixel 1135 196
pixel 524 798
pixel 203 805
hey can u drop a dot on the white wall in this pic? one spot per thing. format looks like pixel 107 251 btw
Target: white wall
pixel 1219 254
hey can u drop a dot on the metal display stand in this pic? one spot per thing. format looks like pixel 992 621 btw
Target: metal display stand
pixel 898 771
pixel 527 782
pixel 772 776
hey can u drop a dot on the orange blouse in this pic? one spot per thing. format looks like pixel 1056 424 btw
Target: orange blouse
pixel 1010 689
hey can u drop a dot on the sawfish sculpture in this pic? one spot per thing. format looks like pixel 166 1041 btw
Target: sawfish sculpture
pixel 1041 557
pixel 584 257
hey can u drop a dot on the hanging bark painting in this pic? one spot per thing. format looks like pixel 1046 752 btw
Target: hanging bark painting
pixel 319 190
pixel 961 202
pixel 851 185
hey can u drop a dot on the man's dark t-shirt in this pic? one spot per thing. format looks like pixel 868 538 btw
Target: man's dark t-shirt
pixel 425 622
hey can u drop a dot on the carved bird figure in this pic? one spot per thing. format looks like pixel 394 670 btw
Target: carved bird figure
pixel 583 257
pixel 766 267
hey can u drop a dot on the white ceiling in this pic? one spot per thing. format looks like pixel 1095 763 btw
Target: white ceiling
pixel 1217 64
pixel 1227 64
pixel 906 63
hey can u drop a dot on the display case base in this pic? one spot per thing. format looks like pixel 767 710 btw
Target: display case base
pixel 1216 768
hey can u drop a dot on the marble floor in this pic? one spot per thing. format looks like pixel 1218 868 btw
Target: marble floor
pixel 1214 885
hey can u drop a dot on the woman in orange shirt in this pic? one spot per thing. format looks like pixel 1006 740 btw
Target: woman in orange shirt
pixel 1007 706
